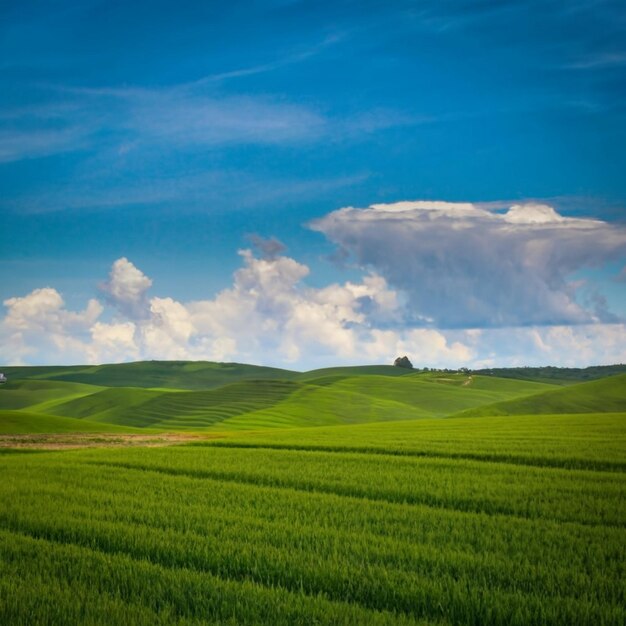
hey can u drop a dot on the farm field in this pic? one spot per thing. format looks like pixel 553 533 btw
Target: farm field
pixel 442 515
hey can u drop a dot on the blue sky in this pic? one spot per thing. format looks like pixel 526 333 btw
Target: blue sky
pixel 173 135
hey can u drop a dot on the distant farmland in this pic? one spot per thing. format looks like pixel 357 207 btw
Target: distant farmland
pixel 345 496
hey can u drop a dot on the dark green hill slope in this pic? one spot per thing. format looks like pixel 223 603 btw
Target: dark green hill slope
pixel 209 375
pixel 556 375
pixel 18 394
pixel 344 400
pixel 27 422
pixel 607 395
pixel 358 370
pixel 147 374
pixel 186 374
pixel 177 409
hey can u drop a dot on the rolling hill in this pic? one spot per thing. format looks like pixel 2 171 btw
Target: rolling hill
pixel 29 422
pixel 555 375
pixel 230 396
pixel 607 395
pixel 322 397
pixel 149 374
pixel 177 410
pixel 40 394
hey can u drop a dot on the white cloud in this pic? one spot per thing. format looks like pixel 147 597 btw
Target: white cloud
pixel 43 310
pixel 182 118
pixel 268 311
pixel 463 265
pixel 270 316
pixel 564 346
pixel 112 343
pixel 126 289
pixel 267 315
pixel 16 144
pixel 167 332
pixel 38 326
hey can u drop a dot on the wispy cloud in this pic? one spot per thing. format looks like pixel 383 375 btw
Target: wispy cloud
pixel 169 118
pixel 195 192
pixel 290 59
pixel 43 129
pixel 16 145
pixel 184 114
pixel 598 61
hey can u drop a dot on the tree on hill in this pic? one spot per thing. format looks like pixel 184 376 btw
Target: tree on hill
pixel 403 361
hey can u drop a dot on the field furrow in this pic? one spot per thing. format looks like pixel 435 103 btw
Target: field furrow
pixel 563 463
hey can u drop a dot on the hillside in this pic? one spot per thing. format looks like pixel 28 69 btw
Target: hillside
pixel 357 370
pixel 41 394
pixel 149 374
pixel 177 409
pixel 356 399
pixel 229 396
pixel 195 375
pixel 555 375
pixel 24 422
pixel 606 395
pixel 323 397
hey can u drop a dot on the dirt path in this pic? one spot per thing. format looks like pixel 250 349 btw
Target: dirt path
pixel 69 441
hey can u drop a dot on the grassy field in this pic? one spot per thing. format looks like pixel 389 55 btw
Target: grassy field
pixel 430 498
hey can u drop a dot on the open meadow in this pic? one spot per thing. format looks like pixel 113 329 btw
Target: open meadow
pixel 376 495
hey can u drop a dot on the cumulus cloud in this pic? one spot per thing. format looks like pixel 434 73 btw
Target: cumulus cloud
pixel 44 310
pixel 464 265
pixel 112 343
pixel 126 289
pixel 268 310
pixel 270 315
pixel 563 346
pixel 39 323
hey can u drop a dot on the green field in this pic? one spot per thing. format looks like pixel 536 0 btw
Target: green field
pixel 344 496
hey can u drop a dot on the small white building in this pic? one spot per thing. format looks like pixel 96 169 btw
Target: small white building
pixel 3 378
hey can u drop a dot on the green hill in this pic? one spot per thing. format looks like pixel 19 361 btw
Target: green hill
pixel 440 394
pixel 283 403
pixel 356 399
pixel 607 395
pixel 147 374
pixel 19 394
pixel 28 422
pixel 357 370
pixel 334 396
pixel 177 410
pixel 556 375
pixel 208 375
pixel 229 396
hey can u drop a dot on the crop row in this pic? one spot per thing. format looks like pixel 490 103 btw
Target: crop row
pixel 44 582
pixel 582 496
pixel 298 537
pixel 594 441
